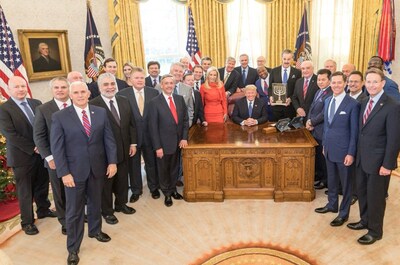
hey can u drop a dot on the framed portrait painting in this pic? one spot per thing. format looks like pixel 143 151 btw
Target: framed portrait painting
pixel 45 53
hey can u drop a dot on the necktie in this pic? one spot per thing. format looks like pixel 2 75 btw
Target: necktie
pixel 114 112
pixel 285 76
pixel 244 77
pixel 141 103
pixel 332 110
pixel 265 88
pixel 28 111
pixel 226 77
pixel 318 95
pixel 250 108
pixel 369 109
pixel 86 123
pixel 154 82
pixel 197 85
pixel 173 109
pixel 176 90
pixel 305 87
pixel 65 105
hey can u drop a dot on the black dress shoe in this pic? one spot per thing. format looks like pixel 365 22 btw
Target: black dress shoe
pixel 357 226
pixel 134 198
pixel 73 258
pixel 320 186
pixel 30 229
pixel 102 237
pixel 155 194
pixel 168 201
pixel 325 210
pixel 179 183
pixel 48 213
pixel 111 219
pixel 367 239
pixel 338 221
pixel 125 209
pixel 354 199
pixel 63 230
pixel 176 196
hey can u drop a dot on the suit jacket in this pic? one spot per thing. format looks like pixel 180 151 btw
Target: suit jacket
pixel 42 127
pixel 125 132
pixel 233 80
pixel 17 129
pixel 198 113
pixel 94 87
pixel 316 113
pixel 77 154
pixel 362 97
pixel 241 111
pixel 378 140
pixel 149 81
pixel 275 76
pixel 252 76
pixel 340 136
pixel 165 133
pixel 298 99
pixel 42 65
pixel 391 89
pixel 261 93
pixel 141 122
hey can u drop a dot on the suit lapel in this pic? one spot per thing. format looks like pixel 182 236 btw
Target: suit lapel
pixel 19 112
pixel 378 106
pixel 75 119
pixel 165 106
pixel 341 107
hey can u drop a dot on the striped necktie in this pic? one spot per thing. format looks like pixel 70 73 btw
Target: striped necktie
pixel 86 123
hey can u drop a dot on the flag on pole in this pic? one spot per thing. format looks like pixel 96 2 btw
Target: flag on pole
pixel 94 53
pixel 387 34
pixel 303 46
pixel 192 46
pixel 10 58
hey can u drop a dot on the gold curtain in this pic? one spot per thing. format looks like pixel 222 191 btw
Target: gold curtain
pixel 126 33
pixel 365 32
pixel 210 22
pixel 284 17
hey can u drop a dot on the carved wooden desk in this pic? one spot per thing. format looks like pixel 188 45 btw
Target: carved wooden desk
pixel 228 161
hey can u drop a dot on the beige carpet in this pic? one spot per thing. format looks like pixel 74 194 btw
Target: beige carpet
pixel 187 232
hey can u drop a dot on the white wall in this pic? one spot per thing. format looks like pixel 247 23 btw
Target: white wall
pixel 60 15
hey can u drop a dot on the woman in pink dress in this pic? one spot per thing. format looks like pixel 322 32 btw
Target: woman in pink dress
pixel 214 98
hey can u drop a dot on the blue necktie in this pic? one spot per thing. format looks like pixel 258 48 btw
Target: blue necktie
pixel 244 77
pixel 28 111
pixel 332 111
pixel 285 76
pixel 250 109
pixel 176 90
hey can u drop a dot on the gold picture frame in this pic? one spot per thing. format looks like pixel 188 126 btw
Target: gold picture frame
pixel 45 53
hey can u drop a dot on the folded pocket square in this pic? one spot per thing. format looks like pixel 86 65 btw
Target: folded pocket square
pixel 342 113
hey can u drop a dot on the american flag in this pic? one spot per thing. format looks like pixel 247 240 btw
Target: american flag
pixel 10 58
pixel 192 46
pixel 387 35
pixel 303 45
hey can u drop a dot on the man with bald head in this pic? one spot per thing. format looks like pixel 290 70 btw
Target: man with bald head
pixel 32 179
pixel 330 65
pixel 305 89
pixel 74 76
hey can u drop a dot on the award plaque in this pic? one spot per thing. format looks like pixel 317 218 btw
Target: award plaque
pixel 278 94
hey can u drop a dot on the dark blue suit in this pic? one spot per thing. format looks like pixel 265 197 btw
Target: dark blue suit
pixel 263 95
pixel 340 140
pixel 86 159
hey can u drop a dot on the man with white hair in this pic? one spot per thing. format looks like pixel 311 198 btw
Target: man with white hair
pixel 229 76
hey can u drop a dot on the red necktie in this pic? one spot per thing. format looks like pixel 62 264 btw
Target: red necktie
pixel 305 88
pixel 173 109
pixel 64 105
pixel 369 109
pixel 86 123
pixel 265 88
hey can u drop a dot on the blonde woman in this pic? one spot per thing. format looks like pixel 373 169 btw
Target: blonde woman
pixel 127 72
pixel 214 99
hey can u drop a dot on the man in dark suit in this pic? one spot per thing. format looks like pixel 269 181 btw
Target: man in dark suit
pixel 262 85
pixel 287 75
pixel 153 79
pixel 378 149
pixel 339 143
pixel 198 113
pixel 250 110
pixel 84 151
pixel 229 76
pixel 45 62
pixel 198 77
pixel 109 66
pixel 32 179
pixel 305 89
pixel 169 126
pixel 315 124
pixel 123 127
pixel 206 62
pixel 139 97
pixel 248 75
pixel 41 134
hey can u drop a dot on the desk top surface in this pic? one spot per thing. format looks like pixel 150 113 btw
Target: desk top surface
pixel 230 135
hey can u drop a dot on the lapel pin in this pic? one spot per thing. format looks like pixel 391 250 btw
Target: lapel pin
pixel 92 112
pixel 381 104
